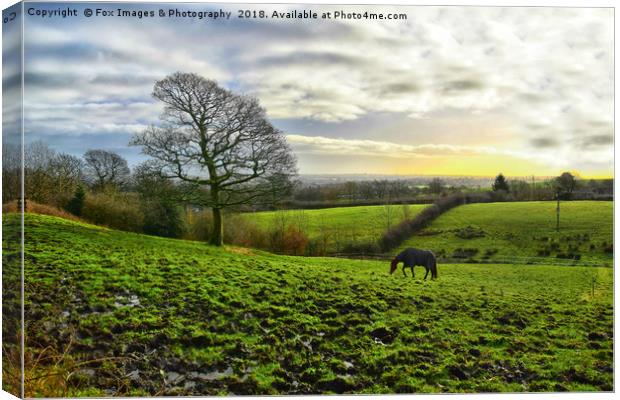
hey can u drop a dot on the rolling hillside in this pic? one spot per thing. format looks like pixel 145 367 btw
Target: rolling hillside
pixel 522 233
pixel 115 313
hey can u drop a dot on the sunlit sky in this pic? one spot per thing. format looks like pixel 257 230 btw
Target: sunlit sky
pixel 449 91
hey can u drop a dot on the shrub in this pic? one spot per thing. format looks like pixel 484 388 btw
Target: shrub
pixel 316 247
pixel 545 252
pixel 76 204
pixel 242 231
pixel 287 233
pixel 198 225
pixel 295 241
pixel 464 253
pixel 500 196
pixel 113 209
pixel 319 245
pixel 161 218
pixel 290 240
pixel 489 253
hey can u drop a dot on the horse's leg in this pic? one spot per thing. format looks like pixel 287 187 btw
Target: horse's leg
pixel 412 272
pixel 404 266
pixel 427 269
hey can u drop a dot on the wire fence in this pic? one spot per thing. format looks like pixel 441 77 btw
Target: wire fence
pixel 496 260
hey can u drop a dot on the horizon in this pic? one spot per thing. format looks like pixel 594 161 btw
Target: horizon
pixel 467 180
pixel 577 175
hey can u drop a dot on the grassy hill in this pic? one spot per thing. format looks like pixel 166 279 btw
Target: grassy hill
pixel 523 232
pixel 115 313
pixel 340 225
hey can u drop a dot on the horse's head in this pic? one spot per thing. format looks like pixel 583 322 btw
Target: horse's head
pixel 393 266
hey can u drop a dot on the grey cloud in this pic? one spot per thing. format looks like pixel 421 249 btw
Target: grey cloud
pixel 124 80
pixel 69 80
pixel 597 141
pixel 49 80
pixel 544 143
pixel 532 97
pixel 400 88
pixel 11 82
pixel 305 58
pixel 462 86
pixel 78 51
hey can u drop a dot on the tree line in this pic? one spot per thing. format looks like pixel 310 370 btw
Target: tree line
pixel 99 187
pixel 398 191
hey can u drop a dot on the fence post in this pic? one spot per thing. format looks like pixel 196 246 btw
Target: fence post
pixel 21 201
pixel 557 211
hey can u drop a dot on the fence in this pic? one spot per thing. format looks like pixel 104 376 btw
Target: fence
pixel 469 260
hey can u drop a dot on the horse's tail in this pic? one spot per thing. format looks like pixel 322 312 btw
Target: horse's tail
pixel 434 267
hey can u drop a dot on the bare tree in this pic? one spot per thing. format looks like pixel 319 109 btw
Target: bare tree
pixel 366 190
pixel 105 168
pixel 382 188
pixel 436 186
pixel 398 188
pixel 37 183
pixel 350 188
pixel 37 156
pixel 388 213
pixel 48 177
pixel 215 139
pixel 66 172
pixel 11 172
pixel 406 209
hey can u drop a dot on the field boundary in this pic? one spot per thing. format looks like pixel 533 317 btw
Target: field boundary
pixel 466 260
pixel 300 206
pixel 395 236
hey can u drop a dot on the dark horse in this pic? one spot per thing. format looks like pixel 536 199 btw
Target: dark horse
pixel 411 257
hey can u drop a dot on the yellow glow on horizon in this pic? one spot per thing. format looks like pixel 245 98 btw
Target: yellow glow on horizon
pixel 481 165
pixel 491 165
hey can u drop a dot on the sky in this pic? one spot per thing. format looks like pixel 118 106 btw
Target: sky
pixel 448 91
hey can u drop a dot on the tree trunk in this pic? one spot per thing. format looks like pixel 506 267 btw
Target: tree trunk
pixel 218 228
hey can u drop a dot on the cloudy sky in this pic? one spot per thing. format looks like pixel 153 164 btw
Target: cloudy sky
pixel 449 91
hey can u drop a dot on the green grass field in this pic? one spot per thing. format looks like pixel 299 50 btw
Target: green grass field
pixel 523 232
pixel 340 225
pixel 115 313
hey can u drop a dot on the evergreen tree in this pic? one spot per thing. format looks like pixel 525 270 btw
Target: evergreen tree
pixel 500 183
pixel 76 203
